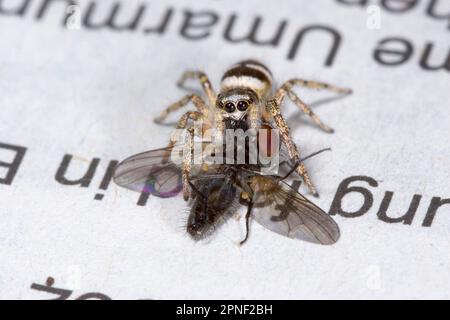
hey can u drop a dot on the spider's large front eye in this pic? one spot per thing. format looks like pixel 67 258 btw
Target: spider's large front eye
pixel 242 105
pixel 229 107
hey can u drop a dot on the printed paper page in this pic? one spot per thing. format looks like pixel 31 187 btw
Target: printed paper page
pixel 81 83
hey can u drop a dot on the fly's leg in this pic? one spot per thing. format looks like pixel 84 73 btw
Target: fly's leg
pixel 204 81
pixel 195 99
pixel 247 222
pixel 273 108
pixel 246 198
pixel 294 168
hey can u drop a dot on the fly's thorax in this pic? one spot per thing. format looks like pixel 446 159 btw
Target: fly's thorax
pixel 248 74
pixel 262 184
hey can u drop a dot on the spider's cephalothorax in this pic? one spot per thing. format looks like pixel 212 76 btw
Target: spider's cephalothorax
pixel 246 101
pixel 244 88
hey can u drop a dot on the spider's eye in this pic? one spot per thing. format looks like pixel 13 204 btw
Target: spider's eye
pixel 242 105
pixel 229 107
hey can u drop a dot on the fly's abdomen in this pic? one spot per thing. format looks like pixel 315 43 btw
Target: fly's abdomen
pixel 215 203
pixel 248 74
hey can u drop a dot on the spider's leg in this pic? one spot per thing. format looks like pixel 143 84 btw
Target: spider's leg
pixel 317 85
pixel 204 81
pixel 182 124
pixel 195 99
pixel 286 89
pixel 273 108
pixel 187 159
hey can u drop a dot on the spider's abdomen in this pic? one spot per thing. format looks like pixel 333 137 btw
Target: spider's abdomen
pixel 248 74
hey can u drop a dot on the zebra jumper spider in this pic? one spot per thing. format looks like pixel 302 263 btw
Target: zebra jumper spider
pixel 245 96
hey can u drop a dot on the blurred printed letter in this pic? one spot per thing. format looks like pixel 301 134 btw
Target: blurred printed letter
pixel 13 165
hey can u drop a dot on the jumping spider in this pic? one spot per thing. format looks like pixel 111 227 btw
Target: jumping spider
pixel 246 97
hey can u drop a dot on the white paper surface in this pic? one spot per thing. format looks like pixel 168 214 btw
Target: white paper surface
pixel 94 93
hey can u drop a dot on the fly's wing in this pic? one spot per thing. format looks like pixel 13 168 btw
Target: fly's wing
pixel 157 172
pixel 285 211
pixel 150 172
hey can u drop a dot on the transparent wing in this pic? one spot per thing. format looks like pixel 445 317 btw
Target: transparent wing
pixel 285 211
pixel 151 172
pixel 157 172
